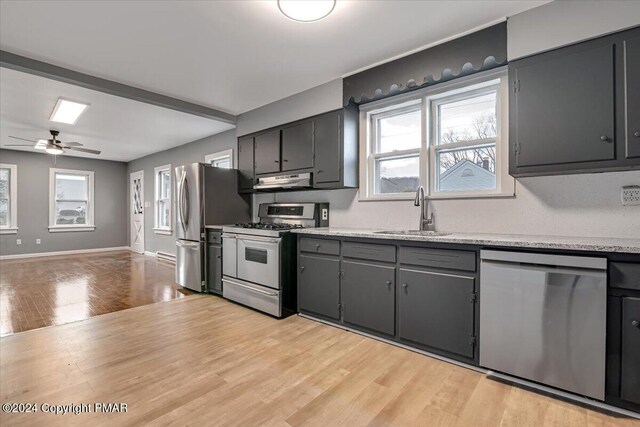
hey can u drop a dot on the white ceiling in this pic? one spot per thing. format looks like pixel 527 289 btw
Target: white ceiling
pixel 231 55
pixel 123 129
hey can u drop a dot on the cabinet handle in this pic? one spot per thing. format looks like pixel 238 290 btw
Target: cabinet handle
pixel 318 247
pixel 218 257
pixel 389 284
pixel 302 269
pixel 604 138
pixel 277 161
pixel 285 160
pixel 405 286
pixel 635 323
pixel 321 171
pixel 637 134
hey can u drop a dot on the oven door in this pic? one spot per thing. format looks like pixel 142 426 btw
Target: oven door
pixel 259 260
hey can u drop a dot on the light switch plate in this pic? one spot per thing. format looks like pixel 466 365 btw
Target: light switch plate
pixel 631 195
pixel 18 241
pixel 325 214
pixel 38 241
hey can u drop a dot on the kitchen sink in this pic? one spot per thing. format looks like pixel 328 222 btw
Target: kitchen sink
pixel 413 233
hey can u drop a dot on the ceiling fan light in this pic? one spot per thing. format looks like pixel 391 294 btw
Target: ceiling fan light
pixel 307 10
pixel 41 144
pixel 67 111
pixel 53 149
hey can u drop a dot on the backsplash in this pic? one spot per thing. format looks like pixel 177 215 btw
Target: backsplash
pixel 571 205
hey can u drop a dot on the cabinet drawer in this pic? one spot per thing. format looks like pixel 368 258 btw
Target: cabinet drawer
pixel 624 275
pixel 439 258
pixel 320 246
pixel 370 251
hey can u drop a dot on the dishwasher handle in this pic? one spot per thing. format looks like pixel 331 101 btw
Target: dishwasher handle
pixel 592 263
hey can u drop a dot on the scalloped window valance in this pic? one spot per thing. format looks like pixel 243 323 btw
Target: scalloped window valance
pixel 479 51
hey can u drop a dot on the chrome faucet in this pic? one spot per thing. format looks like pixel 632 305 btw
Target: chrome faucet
pixel 427 222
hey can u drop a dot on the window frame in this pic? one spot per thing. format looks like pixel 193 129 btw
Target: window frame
pixel 157 229
pixel 463 88
pixel 209 158
pixel 90 224
pixel 12 226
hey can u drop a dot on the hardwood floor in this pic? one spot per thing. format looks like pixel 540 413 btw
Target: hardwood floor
pixel 201 360
pixel 45 291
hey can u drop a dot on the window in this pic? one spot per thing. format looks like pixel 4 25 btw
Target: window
pixel 162 199
pixel 70 200
pixel 222 159
pixel 8 199
pixel 451 139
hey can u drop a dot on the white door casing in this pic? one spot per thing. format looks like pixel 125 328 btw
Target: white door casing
pixel 136 194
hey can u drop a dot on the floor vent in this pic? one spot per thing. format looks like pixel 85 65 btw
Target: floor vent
pixel 166 256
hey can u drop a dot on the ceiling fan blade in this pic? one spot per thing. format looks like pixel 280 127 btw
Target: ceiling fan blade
pixel 85 150
pixel 18 145
pixel 24 139
pixel 71 144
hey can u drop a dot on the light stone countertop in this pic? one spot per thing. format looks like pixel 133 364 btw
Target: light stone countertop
pixel 593 244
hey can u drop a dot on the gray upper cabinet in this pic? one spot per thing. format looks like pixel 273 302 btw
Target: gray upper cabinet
pixel 328 140
pixel 437 310
pixel 368 296
pixel 297 146
pixel 245 164
pixel 319 286
pixel 267 152
pixel 567 109
pixel 632 79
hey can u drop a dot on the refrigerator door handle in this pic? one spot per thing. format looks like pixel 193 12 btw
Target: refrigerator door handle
pixel 180 200
pixel 186 200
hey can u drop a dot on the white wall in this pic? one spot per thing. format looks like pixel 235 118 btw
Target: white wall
pixel 564 22
pixel 569 205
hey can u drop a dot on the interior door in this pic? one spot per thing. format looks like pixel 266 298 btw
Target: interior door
pixel 136 192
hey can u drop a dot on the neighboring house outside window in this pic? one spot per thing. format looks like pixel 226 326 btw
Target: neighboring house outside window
pixel 71 200
pixel 162 209
pixel 451 138
pixel 221 159
pixel 8 199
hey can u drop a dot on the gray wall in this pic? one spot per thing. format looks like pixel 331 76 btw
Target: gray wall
pixel 564 22
pixel 188 153
pixel 33 204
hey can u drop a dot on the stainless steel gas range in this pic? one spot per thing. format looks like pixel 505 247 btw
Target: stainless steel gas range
pixel 259 259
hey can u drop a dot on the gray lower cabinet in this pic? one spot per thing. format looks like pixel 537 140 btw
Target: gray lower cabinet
pixel 630 350
pixel 437 310
pixel 319 286
pixel 267 152
pixel 368 296
pixel 297 146
pixel 214 268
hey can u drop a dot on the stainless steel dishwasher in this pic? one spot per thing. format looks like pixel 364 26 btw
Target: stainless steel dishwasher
pixel 543 318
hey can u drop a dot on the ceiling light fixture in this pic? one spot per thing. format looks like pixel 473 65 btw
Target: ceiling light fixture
pixel 67 111
pixel 53 149
pixel 306 10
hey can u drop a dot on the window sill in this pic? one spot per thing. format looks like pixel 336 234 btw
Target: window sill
pixel 163 231
pixel 66 228
pixel 9 230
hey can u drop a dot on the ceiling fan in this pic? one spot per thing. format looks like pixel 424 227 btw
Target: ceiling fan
pixel 53 145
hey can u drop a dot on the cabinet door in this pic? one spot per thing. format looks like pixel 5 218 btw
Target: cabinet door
pixel 328 148
pixel 437 310
pixel 245 163
pixel 368 296
pixel 319 286
pixel 297 146
pixel 563 108
pixel 214 268
pixel 630 360
pixel 632 75
pixel 267 152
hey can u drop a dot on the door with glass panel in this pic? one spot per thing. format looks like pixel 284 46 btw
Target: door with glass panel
pixel 136 192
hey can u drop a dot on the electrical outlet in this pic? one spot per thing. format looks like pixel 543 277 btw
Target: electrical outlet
pixel 38 241
pixel 631 195
pixel 18 241
pixel 325 214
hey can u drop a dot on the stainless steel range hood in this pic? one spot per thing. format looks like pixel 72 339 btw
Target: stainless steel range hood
pixel 299 180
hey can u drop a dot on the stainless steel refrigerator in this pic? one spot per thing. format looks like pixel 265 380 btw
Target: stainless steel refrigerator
pixel 205 195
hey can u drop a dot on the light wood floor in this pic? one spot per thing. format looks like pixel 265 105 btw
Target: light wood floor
pixel 201 360
pixel 45 291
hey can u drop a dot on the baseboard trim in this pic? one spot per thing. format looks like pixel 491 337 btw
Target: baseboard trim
pixel 166 256
pixel 56 253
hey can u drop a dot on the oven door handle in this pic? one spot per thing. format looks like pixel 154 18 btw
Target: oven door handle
pixel 233 282
pixel 259 239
